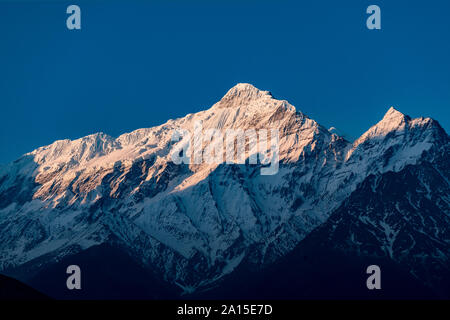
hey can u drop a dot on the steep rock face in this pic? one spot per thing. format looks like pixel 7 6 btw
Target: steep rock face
pixel 193 223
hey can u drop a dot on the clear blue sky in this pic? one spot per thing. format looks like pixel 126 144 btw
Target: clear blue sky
pixel 136 64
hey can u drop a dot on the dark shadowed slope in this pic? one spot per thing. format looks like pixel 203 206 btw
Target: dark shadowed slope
pixel 107 272
pixel 11 289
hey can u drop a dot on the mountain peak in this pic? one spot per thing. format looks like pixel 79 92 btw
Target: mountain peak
pixel 393 113
pixel 392 120
pixel 241 94
pixel 246 89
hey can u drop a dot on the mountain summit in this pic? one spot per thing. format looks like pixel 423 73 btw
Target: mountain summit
pixel 393 113
pixel 245 92
pixel 246 97
pixel 191 225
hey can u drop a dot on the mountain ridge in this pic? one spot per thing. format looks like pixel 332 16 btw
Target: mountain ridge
pixel 195 223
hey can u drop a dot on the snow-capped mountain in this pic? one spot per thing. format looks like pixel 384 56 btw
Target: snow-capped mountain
pixel 192 224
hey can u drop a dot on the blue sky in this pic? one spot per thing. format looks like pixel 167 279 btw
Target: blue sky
pixel 136 63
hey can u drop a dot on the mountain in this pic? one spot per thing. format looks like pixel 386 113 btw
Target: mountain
pixel 397 220
pixel 193 225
